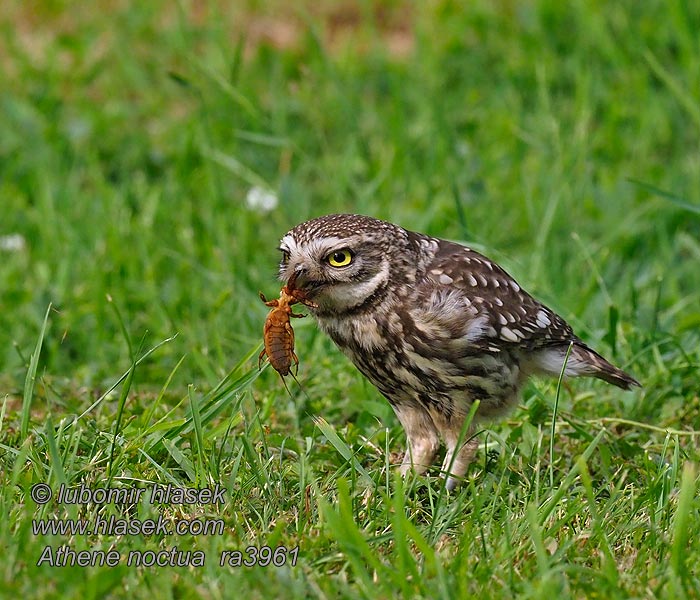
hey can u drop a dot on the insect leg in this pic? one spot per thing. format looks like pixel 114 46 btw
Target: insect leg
pixel 267 302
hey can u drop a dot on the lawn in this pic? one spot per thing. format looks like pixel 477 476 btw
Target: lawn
pixel 152 154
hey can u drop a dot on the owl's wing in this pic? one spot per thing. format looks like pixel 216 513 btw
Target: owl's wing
pixel 473 293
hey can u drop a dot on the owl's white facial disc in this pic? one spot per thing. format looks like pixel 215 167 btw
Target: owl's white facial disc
pixel 336 287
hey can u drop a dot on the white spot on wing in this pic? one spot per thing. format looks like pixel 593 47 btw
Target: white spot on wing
pixel 445 279
pixel 471 280
pixel 542 319
pixel 509 335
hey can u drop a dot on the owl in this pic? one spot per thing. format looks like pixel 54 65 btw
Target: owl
pixel 434 325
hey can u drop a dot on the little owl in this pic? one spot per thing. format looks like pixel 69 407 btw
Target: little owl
pixel 433 325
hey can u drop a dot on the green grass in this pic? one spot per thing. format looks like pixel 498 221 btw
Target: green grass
pixel 560 138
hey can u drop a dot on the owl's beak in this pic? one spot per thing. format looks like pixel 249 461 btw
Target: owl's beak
pixel 297 277
pixel 299 292
pixel 299 280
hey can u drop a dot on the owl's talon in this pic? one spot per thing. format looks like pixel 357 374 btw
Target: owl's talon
pixel 451 483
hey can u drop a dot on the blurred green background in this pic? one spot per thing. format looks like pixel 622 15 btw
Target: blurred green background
pixel 133 132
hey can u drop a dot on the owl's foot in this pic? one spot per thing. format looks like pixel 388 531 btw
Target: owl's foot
pixel 419 455
pixel 455 465
pixel 423 439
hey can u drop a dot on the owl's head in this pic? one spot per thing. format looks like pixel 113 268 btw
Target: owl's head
pixel 341 261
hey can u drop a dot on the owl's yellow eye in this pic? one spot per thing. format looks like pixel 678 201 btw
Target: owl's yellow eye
pixel 340 258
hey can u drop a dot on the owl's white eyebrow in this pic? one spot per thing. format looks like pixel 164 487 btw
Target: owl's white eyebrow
pixel 336 243
pixel 326 245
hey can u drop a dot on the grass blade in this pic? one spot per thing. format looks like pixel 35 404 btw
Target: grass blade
pixel 114 386
pixel 685 98
pixel 54 454
pixel 197 421
pixel 339 444
pixel 550 504
pixel 342 526
pixel 184 462
pixel 125 389
pixel 681 523
pixel 30 380
pixel 677 200
pixel 117 426
pixel 554 415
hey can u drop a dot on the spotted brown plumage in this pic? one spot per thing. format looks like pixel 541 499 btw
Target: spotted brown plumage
pixel 433 325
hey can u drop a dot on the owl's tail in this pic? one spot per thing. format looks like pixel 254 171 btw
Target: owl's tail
pixel 597 366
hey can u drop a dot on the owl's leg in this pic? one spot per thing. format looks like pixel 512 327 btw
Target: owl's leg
pixel 423 439
pixel 461 449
